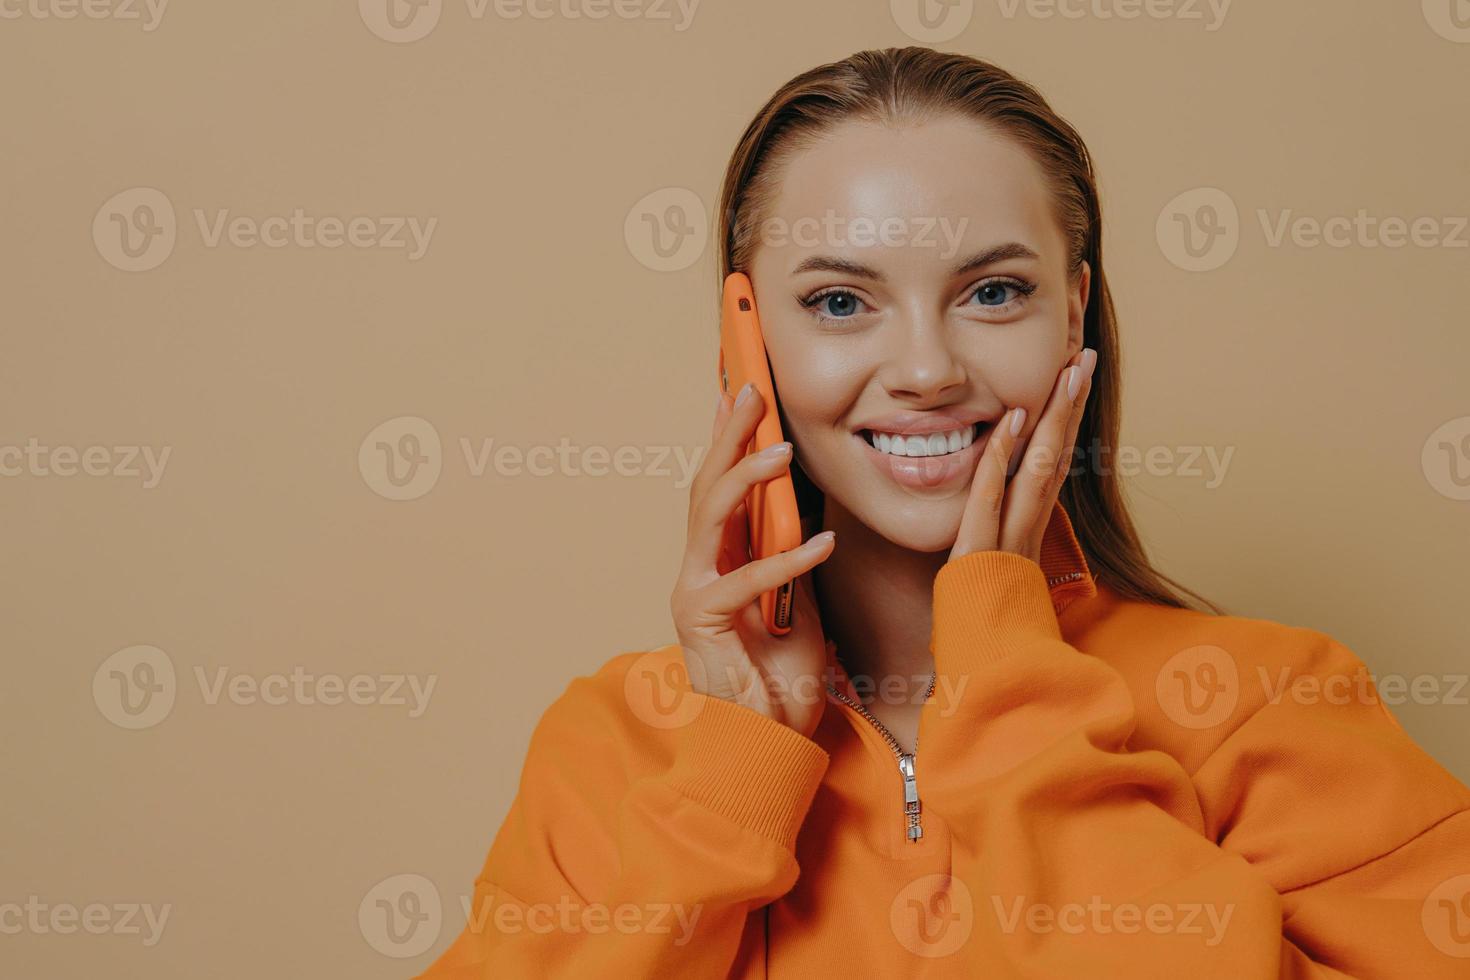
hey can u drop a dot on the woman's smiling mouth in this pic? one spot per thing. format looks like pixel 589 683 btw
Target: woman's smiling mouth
pixel 925 450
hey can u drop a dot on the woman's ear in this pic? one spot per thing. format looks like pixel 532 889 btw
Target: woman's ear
pixel 1077 309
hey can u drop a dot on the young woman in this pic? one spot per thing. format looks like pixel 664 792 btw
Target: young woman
pixel 996 742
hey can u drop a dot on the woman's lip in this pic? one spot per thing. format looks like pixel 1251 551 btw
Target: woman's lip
pixel 928 472
pixel 922 423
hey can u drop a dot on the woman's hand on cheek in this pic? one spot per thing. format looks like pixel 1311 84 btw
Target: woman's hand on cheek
pixel 1001 517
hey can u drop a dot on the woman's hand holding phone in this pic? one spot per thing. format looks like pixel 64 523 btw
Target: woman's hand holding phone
pixel 728 651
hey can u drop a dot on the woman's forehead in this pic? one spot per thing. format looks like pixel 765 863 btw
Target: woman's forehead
pixel 864 182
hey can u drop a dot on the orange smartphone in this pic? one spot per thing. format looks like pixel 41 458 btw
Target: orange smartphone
pixel 775 524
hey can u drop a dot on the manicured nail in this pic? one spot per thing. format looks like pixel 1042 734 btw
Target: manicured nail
pixel 745 391
pixel 817 540
pixel 1074 381
pixel 1018 419
pixel 1089 361
pixel 779 449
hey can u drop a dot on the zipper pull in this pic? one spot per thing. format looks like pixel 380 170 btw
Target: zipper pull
pixel 910 795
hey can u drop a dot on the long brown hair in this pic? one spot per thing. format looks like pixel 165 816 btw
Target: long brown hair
pixel 897 84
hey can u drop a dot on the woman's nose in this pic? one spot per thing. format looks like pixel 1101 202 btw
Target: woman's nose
pixel 920 363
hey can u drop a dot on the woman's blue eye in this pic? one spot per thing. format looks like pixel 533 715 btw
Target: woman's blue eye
pixel 993 291
pixel 838 305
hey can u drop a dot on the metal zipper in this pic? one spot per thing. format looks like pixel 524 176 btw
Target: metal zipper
pixel 913 829
pixel 911 807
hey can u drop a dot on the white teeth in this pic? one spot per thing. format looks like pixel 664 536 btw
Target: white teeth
pixel 933 444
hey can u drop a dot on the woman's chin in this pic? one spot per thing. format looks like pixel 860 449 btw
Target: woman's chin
pixel 920 528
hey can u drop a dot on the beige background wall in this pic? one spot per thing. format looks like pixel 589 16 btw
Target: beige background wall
pixel 541 312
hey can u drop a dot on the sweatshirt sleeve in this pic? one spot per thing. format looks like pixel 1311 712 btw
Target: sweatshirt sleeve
pixel 637 849
pixel 1313 838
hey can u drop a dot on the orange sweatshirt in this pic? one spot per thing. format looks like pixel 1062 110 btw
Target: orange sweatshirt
pixel 1105 788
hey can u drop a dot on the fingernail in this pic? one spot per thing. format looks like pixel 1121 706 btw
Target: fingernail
pixel 1018 419
pixel 1074 381
pixel 1089 360
pixel 779 449
pixel 820 539
pixel 745 391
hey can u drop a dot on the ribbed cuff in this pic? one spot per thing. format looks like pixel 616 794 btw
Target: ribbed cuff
pixel 744 766
pixel 984 603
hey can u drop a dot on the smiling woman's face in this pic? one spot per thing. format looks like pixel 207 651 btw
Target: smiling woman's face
pixel 912 288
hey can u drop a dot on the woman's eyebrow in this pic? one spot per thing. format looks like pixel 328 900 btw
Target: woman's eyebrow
pixel 995 253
